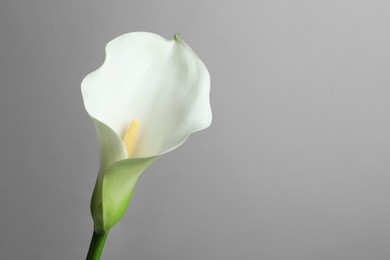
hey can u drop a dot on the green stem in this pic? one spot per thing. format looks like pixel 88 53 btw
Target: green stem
pixel 96 247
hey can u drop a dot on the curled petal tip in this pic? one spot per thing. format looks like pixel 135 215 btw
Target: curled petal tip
pixel 176 37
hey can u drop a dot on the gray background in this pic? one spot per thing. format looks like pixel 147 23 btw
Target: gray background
pixel 295 165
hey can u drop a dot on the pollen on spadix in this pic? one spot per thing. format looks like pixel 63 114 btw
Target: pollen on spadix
pixel 130 136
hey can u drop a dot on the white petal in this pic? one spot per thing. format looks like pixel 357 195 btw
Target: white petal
pixel 161 83
pixel 111 147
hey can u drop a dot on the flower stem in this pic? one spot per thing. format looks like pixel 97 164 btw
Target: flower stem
pixel 96 247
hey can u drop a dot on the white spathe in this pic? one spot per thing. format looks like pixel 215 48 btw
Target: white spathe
pixel 161 83
pixel 165 87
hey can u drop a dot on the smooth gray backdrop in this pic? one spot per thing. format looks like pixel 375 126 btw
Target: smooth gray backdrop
pixel 295 166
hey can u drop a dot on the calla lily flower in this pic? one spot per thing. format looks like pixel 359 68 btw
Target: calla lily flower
pixel 145 100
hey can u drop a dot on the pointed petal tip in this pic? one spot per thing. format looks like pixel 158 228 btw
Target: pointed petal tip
pixel 176 37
